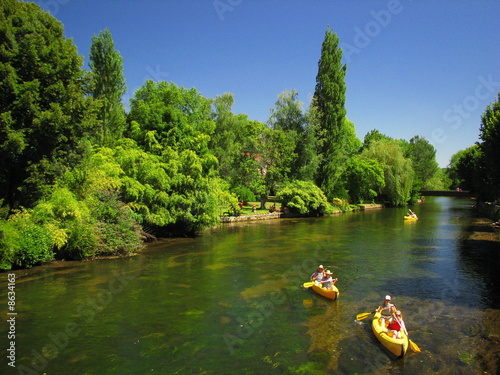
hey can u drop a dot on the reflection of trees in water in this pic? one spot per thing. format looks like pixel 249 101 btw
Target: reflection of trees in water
pixel 479 256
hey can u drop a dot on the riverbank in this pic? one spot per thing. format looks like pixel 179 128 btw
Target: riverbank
pixel 286 215
pixel 482 229
pixel 489 210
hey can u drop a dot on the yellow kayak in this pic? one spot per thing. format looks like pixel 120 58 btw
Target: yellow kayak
pixel 398 347
pixel 330 293
pixel 410 217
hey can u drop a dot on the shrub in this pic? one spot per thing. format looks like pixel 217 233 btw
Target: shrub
pixel 244 194
pixel 118 231
pixel 305 198
pixel 24 243
pixel 82 240
pixel 35 246
pixel 69 220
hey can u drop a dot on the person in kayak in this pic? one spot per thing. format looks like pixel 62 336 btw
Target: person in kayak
pixel 395 325
pixel 328 281
pixel 318 275
pixel 386 310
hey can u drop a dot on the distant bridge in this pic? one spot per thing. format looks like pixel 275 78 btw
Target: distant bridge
pixel 446 193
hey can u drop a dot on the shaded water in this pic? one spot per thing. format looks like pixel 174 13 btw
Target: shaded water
pixel 231 301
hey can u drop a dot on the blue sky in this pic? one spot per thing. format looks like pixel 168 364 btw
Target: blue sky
pixel 414 67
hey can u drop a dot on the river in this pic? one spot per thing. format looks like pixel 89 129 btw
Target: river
pixel 231 301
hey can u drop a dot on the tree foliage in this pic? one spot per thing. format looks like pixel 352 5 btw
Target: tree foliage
pixel 423 157
pixel 274 157
pixel 108 86
pixel 172 176
pixel 329 99
pixel 304 197
pixel 398 171
pixel 467 167
pixel 233 140
pixel 489 134
pixel 166 115
pixel 42 105
pixel 476 168
pixel 365 178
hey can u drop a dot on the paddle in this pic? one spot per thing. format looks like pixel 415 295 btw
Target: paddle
pixel 363 315
pixel 413 346
pixel 308 284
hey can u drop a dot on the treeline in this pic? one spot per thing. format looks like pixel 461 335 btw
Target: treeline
pixel 477 168
pixel 80 176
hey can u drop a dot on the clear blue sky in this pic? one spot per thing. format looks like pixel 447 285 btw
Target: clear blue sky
pixel 414 67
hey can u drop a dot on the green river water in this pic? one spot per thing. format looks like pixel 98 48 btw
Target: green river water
pixel 231 301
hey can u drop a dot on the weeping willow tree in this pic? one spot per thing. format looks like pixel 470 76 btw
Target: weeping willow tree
pixel 398 171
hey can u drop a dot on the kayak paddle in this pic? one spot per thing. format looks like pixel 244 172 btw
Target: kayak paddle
pixel 308 284
pixel 414 346
pixel 363 315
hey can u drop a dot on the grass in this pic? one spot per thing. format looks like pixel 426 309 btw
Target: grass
pixel 248 209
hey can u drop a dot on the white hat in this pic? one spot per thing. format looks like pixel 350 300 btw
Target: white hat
pixel 320 266
pixel 387 298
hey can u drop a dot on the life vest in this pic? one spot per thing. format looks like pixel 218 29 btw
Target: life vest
pixel 394 325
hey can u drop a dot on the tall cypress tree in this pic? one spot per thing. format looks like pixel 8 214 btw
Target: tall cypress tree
pixel 108 86
pixel 329 99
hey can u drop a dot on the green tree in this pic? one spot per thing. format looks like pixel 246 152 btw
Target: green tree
pixel 274 157
pixel 329 98
pixel 289 116
pixel 303 197
pixel 490 147
pixel 365 177
pixel 244 172
pixel 468 168
pixel 43 110
pixel 232 137
pixel 373 135
pixel 398 172
pixel 108 86
pixel 452 170
pixel 166 115
pixel 423 157
pixel 171 180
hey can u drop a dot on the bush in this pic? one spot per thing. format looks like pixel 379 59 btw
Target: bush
pixel 24 243
pixel 69 220
pixel 244 194
pixel 118 231
pixel 82 240
pixel 35 246
pixel 305 198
